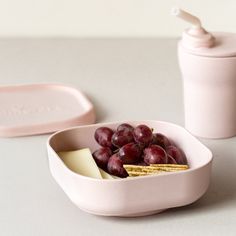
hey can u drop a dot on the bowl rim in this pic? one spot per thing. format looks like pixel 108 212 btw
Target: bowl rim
pixel 210 154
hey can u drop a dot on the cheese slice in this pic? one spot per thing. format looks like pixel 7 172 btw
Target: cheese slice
pixel 105 175
pixel 116 177
pixel 81 162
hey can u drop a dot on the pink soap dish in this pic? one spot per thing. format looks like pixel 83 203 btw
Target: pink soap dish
pixel 136 196
pixel 42 108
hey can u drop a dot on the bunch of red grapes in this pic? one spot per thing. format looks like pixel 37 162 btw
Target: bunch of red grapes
pixel 133 145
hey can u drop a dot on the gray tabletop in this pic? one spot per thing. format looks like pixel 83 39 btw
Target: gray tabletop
pixel 125 79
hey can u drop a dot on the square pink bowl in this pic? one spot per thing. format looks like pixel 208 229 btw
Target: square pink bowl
pixel 136 196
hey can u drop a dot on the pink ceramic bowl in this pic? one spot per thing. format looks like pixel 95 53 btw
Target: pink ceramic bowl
pixel 133 196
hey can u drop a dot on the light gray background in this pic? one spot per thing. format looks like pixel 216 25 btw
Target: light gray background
pixel 125 79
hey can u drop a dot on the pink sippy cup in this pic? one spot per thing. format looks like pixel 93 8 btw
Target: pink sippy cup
pixel 208 65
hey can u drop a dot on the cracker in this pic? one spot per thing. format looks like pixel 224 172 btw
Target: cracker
pixel 140 173
pixel 138 170
pixel 170 165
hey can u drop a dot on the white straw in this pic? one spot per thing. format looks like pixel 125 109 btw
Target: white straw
pixel 175 11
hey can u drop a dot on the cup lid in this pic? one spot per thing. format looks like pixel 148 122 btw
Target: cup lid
pixel 42 108
pixel 224 46
pixel 198 41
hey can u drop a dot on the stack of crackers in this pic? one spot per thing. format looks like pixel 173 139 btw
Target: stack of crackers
pixel 153 169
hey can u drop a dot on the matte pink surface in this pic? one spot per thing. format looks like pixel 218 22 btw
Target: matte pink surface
pixel 209 94
pixel 133 196
pixel 42 108
pixel 224 46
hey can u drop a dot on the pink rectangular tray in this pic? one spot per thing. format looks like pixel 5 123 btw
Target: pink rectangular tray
pixel 42 108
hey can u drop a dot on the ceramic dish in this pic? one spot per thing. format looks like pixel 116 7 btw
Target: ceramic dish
pixel 135 196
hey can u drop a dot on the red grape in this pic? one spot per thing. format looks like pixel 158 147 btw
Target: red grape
pixel 103 136
pixel 138 146
pixel 171 160
pixel 122 137
pixel 161 140
pixel 142 134
pixel 101 157
pixel 155 154
pixel 177 154
pixel 126 127
pixel 115 166
pixel 130 153
pixel 141 163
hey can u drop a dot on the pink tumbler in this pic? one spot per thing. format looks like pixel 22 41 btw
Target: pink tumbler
pixel 208 66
